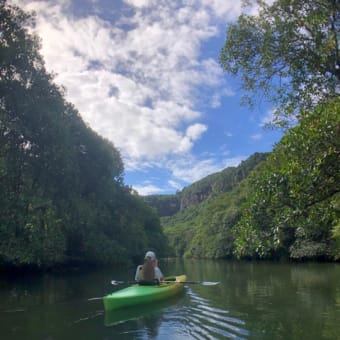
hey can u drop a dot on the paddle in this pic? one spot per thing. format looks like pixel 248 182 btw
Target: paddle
pixel 202 283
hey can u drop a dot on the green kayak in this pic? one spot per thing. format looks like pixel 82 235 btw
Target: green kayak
pixel 137 294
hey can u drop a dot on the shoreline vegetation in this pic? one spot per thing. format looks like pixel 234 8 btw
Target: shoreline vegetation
pixel 62 194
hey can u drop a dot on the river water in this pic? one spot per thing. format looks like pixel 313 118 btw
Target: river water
pixel 253 301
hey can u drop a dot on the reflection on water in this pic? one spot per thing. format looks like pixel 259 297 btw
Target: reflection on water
pixel 211 323
pixel 253 301
pixel 115 317
pixel 189 316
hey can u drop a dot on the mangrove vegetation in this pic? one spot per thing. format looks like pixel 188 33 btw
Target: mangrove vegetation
pixel 62 196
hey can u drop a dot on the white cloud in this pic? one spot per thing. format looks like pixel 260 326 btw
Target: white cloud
pixel 148 189
pixel 190 172
pixel 216 98
pixel 139 3
pixel 185 171
pixel 175 184
pixel 190 169
pixel 257 136
pixel 267 118
pixel 194 131
pixel 224 9
pixel 135 87
pixel 137 80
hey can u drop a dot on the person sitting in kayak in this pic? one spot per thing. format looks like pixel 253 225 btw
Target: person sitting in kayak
pixel 149 273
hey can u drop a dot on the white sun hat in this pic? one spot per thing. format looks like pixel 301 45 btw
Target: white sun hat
pixel 150 255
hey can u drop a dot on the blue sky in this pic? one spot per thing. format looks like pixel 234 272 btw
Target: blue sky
pixel 145 75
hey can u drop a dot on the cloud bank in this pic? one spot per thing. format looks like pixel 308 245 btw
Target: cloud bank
pixel 135 71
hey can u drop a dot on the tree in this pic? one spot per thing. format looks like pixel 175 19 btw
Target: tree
pixel 62 196
pixel 289 52
pixel 293 208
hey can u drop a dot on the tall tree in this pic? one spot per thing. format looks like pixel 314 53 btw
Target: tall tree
pixel 62 196
pixel 288 52
pixel 293 207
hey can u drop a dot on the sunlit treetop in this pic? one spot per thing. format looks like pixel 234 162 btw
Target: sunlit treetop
pixel 286 54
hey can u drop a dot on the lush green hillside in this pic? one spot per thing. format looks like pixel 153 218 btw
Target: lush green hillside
pixel 212 185
pixel 288 206
pixel 203 229
pixel 62 196
pixel 217 198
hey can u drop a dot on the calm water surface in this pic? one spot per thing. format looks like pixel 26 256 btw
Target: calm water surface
pixel 253 301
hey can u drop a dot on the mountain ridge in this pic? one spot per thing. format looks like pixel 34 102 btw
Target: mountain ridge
pixel 201 190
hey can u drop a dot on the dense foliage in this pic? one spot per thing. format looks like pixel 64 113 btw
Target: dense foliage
pixel 62 197
pixel 293 209
pixel 204 231
pixel 289 205
pixel 165 205
pixel 287 54
pixel 200 228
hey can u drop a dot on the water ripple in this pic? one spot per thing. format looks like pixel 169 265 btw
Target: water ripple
pixel 192 317
pixel 211 322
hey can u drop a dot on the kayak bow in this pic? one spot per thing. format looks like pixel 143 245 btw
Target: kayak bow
pixel 138 294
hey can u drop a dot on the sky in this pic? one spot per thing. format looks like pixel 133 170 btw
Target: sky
pixel 145 75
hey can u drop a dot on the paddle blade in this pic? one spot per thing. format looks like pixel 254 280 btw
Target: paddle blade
pixel 202 283
pixel 95 298
pixel 116 283
pixel 209 283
